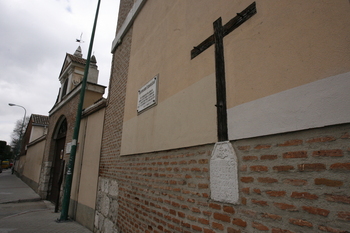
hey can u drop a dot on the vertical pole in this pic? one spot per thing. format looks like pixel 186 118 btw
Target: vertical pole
pixel 220 81
pixel 70 168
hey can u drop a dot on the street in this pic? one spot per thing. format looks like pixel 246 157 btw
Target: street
pixel 23 211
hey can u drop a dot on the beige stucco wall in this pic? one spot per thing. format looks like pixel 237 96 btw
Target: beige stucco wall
pixel 37 132
pixel 33 161
pixel 285 45
pixel 85 176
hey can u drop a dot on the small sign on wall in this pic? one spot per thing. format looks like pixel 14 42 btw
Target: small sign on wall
pixel 148 95
pixel 68 147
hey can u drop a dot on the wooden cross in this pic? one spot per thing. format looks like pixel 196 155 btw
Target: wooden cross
pixel 220 32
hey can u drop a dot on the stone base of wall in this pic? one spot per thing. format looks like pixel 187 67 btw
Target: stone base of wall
pixel 82 214
pixel 44 180
pixel 31 183
pixel 292 182
pixel 107 206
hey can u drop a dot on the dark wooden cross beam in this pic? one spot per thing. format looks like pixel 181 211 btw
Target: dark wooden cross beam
pixel 220 32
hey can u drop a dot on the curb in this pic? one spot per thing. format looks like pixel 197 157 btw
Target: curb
pixel 23 200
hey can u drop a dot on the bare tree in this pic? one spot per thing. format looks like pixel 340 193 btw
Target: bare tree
pixel 16 135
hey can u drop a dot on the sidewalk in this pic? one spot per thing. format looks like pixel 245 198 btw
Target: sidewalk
pixel 22 210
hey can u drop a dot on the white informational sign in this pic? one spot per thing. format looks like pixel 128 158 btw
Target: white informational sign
pixel 68 147
pixel 148 95
pixel 223 173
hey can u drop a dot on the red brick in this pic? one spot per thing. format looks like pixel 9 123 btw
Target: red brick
pixel 267 180
pixel 192 218
pixel 244 201
pixel 304 195
pixel 276 193
pixel 185 224
pixel 343 215
pixel 331 230
pixel 317 211
pixel 300 222
pixel 244 148
pixel 249 213
pixel 191 200
pixel 295 182
pixel 338 198
pixel 192 161
pixel 232 230
pixel 222 217
pixel 268 157
pixel 260 226
pixel 248 158
pixel 203 221
pixel 321 139
pixel 207 213
pixel 203 186
pixel 175 204
pixel 239 222
pixel 184 207
pixel 261 203
pixel 196 228
pixel 259 168
pixel 247 179
pixel 345 135
pixel 271 216
pixel 284 206
pixel 340 166
pixel 217 226
pixel 203 161
pixel 258 191
pixel 246 190
pixel 283 168
pixel 215 206
pixel 327 182
pixel 206 195
pixel 208 231
pixel 328 153
pixel 295 142
pixel 295 155
pixel 243 168
pixel 229 209
pixel 196 169
pixel 279 230
pixel 259 147
pixel 311 167
pixel 181 214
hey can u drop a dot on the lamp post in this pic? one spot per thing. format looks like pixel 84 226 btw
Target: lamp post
pixel 70 167
pixel 20 134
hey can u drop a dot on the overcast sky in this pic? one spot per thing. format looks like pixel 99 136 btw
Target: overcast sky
pixel 35 36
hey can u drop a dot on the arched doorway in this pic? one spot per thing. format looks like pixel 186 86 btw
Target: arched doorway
pixel 57 162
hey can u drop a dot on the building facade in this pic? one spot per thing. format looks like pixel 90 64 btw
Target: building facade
pixel 57 143
pixel 260 85
pixel 30 160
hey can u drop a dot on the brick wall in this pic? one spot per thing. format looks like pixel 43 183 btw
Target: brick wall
pixel 69 111
pixel 293 182
pixel 113 125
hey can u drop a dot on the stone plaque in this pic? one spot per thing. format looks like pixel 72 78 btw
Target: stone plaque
pixel 147 95
pixel 223 173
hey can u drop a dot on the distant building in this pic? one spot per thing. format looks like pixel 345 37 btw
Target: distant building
pixel 46 155
pixel 33 144
pixel 227 116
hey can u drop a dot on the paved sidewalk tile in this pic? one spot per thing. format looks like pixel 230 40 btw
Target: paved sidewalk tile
pixel 39 221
